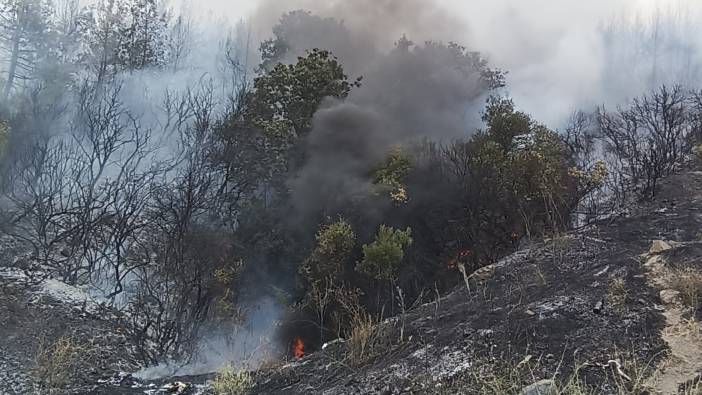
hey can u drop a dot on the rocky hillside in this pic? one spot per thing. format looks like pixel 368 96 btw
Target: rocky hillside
pixel 607 307
pixel 613 307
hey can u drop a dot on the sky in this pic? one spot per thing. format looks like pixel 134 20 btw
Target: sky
pixel 549 47
pixel 552 49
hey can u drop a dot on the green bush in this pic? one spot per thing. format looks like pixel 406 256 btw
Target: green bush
pixel 382 258
pixel 389 177
pixel 335 243
pixel 231 381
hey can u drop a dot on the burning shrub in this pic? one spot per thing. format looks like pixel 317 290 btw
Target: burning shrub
pixel 232 381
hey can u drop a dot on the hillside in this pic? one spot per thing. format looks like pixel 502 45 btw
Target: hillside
pixel 350 197
pixel 590 300
pixel 603 302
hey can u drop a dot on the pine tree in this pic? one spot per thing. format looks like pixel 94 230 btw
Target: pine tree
pixel 146 37
pixel 25 27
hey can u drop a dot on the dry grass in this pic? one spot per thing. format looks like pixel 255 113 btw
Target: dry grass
pixel 55 363
pixel 692 389
pixel 689 283
pixel 493 376
pixel 617 292
pixel 366 336
pixel 232 381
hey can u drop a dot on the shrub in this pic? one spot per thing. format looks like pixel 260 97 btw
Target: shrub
pixel 55 363
pixel 334 245
pixel 617 292
pixel 689 283
pixel 323 268
pixel 382 257
pixel 364 332
pixel 650 137
pixel 389 177
pixel 231 381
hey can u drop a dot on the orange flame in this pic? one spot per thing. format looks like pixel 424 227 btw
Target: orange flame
pixel 298 348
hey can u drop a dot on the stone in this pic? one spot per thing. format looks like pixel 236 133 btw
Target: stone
pixel 669 296
pixel 541 387
pixel 659 246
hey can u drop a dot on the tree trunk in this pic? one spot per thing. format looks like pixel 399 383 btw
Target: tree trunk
pixel 13 64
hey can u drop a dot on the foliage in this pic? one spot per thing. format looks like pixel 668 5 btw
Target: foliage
pixel 390 176
pixel 125 35
pixel 334 245
pixel 324 268
pixel 382 258
pixel 688 282
pixel 533 165
pixel 286 98
pixel 232 381
pixel 504 123
pixel 145 37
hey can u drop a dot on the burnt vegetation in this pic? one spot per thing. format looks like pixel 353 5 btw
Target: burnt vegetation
pixel 287 181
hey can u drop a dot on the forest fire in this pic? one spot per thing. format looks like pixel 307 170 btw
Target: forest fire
pixel 298 348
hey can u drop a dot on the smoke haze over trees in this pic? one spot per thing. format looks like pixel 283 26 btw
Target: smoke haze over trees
pixel 317 160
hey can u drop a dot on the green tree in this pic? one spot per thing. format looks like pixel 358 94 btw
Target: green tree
pixel 146 38
pixel 322 269
pixel 335 242
pixel 285 99
pixel 532 165
pixel 504 123
pixel 382 258
pixel 389 178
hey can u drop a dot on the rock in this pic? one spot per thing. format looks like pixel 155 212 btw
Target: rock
pixel 669 296
pixel 541 387
pixel 659 246
pixel 598 307
pixel 177 388
pixel 333 342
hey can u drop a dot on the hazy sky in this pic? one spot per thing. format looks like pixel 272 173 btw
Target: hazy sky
pixel 551 48
pixel 241 8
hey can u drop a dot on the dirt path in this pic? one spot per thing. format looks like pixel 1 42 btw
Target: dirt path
pixel 683 363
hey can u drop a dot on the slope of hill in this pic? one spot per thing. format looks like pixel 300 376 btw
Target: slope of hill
pixel 596 302
pixel 610 306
